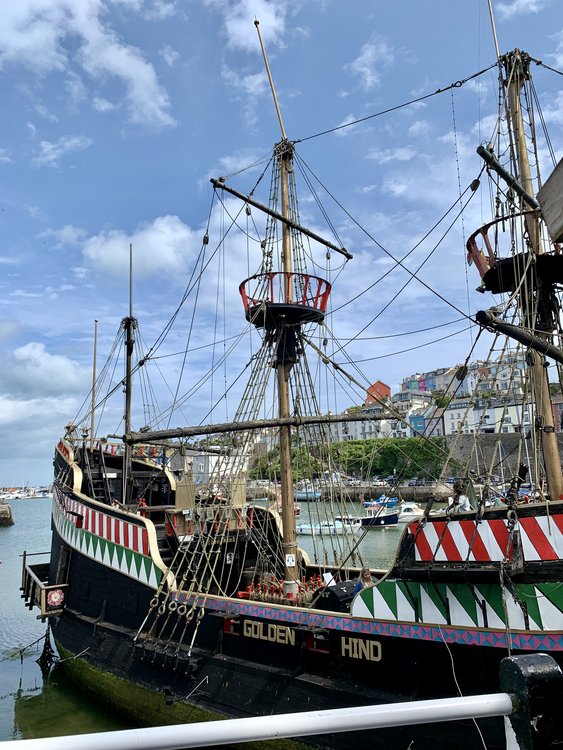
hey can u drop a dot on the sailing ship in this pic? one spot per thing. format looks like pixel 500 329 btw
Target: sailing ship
pixel 173 600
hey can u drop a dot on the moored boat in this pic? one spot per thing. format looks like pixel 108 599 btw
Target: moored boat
pixel 409 512
pixel 340 526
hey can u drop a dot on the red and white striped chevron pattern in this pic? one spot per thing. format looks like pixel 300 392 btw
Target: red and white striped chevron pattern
pixel 129 535
pixel 488 540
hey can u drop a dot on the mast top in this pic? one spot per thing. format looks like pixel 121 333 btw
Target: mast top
pixel 272 88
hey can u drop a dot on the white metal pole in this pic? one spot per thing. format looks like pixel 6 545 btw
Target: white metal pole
pixel 230 731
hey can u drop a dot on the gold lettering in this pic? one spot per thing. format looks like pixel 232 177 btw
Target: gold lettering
pixel 275 633
pixel 357 648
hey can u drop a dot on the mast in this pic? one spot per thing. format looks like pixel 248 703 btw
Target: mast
pixel 92 422
pixel 285 359
pixel 129 324
pixel 516 66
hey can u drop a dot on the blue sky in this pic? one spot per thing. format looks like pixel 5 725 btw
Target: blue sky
pixel 116 113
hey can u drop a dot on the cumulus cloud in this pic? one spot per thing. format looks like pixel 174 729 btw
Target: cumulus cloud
pixel 50 153
pixel 374 56
pixel 67 235
pixel 520 7
pixel 238 21
pixel 160 247
pixel 36 34
pixel 31 369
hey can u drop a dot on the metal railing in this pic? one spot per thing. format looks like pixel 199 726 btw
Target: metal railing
pixel 232 731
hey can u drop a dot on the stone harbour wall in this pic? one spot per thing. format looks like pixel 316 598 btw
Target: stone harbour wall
pixel 6 518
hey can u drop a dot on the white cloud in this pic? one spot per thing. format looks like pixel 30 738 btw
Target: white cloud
pixel 169 55
pixel 34 211
pixel 102 105
pixel 373 56
pixel 239 17
pixel 250 85
pixel 36 34
pixel 68 235
pixel 246 90
pixel 50 153
pixel 32 370
pixel 345 126
pixel 160 247
pixel 9 328
pixel 553 112
pixel 520 7
pixel 160 10
pixel 42 110
pixel 75 87
pixel 404 153
pixel 395 187
pixel 420 127
pixel 5 157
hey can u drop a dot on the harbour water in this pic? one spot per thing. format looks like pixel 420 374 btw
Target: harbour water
pixel 32 705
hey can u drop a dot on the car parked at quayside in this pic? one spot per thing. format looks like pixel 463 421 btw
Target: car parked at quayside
pixel 377 482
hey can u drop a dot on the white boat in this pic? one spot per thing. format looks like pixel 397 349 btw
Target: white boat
pixel 410 512
pixel 329 528
pixel 306 494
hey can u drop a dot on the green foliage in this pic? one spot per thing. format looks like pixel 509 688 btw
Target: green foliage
pixel 442 401
pixel 406 457
pixel 304 464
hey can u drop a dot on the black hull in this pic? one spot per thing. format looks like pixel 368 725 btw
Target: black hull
pixel 236 676
pixel 228 686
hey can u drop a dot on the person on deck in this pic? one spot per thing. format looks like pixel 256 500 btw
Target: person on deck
pixel 364 581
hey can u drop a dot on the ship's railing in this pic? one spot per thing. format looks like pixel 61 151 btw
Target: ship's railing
pixel 36 590
pixel 277 287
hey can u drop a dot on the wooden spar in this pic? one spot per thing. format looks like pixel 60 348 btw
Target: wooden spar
pixel 129 324
pixel 92 420
pixel 486 319
pixel 152 436
pixel 273 90
pixel 284 219
pixel 517 73
pixel 284 363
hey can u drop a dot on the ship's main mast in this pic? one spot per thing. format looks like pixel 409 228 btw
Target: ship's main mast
pixel 516 67
pixel 285 360
pixel 534 282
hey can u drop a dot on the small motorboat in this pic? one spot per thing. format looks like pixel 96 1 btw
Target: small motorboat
pixel 376 518
pixel 306 494
pixel 339 526
pixel 384 501
pixel 410 512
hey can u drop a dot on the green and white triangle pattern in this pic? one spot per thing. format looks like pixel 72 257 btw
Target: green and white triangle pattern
pixel 395 601
pixel 112 555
